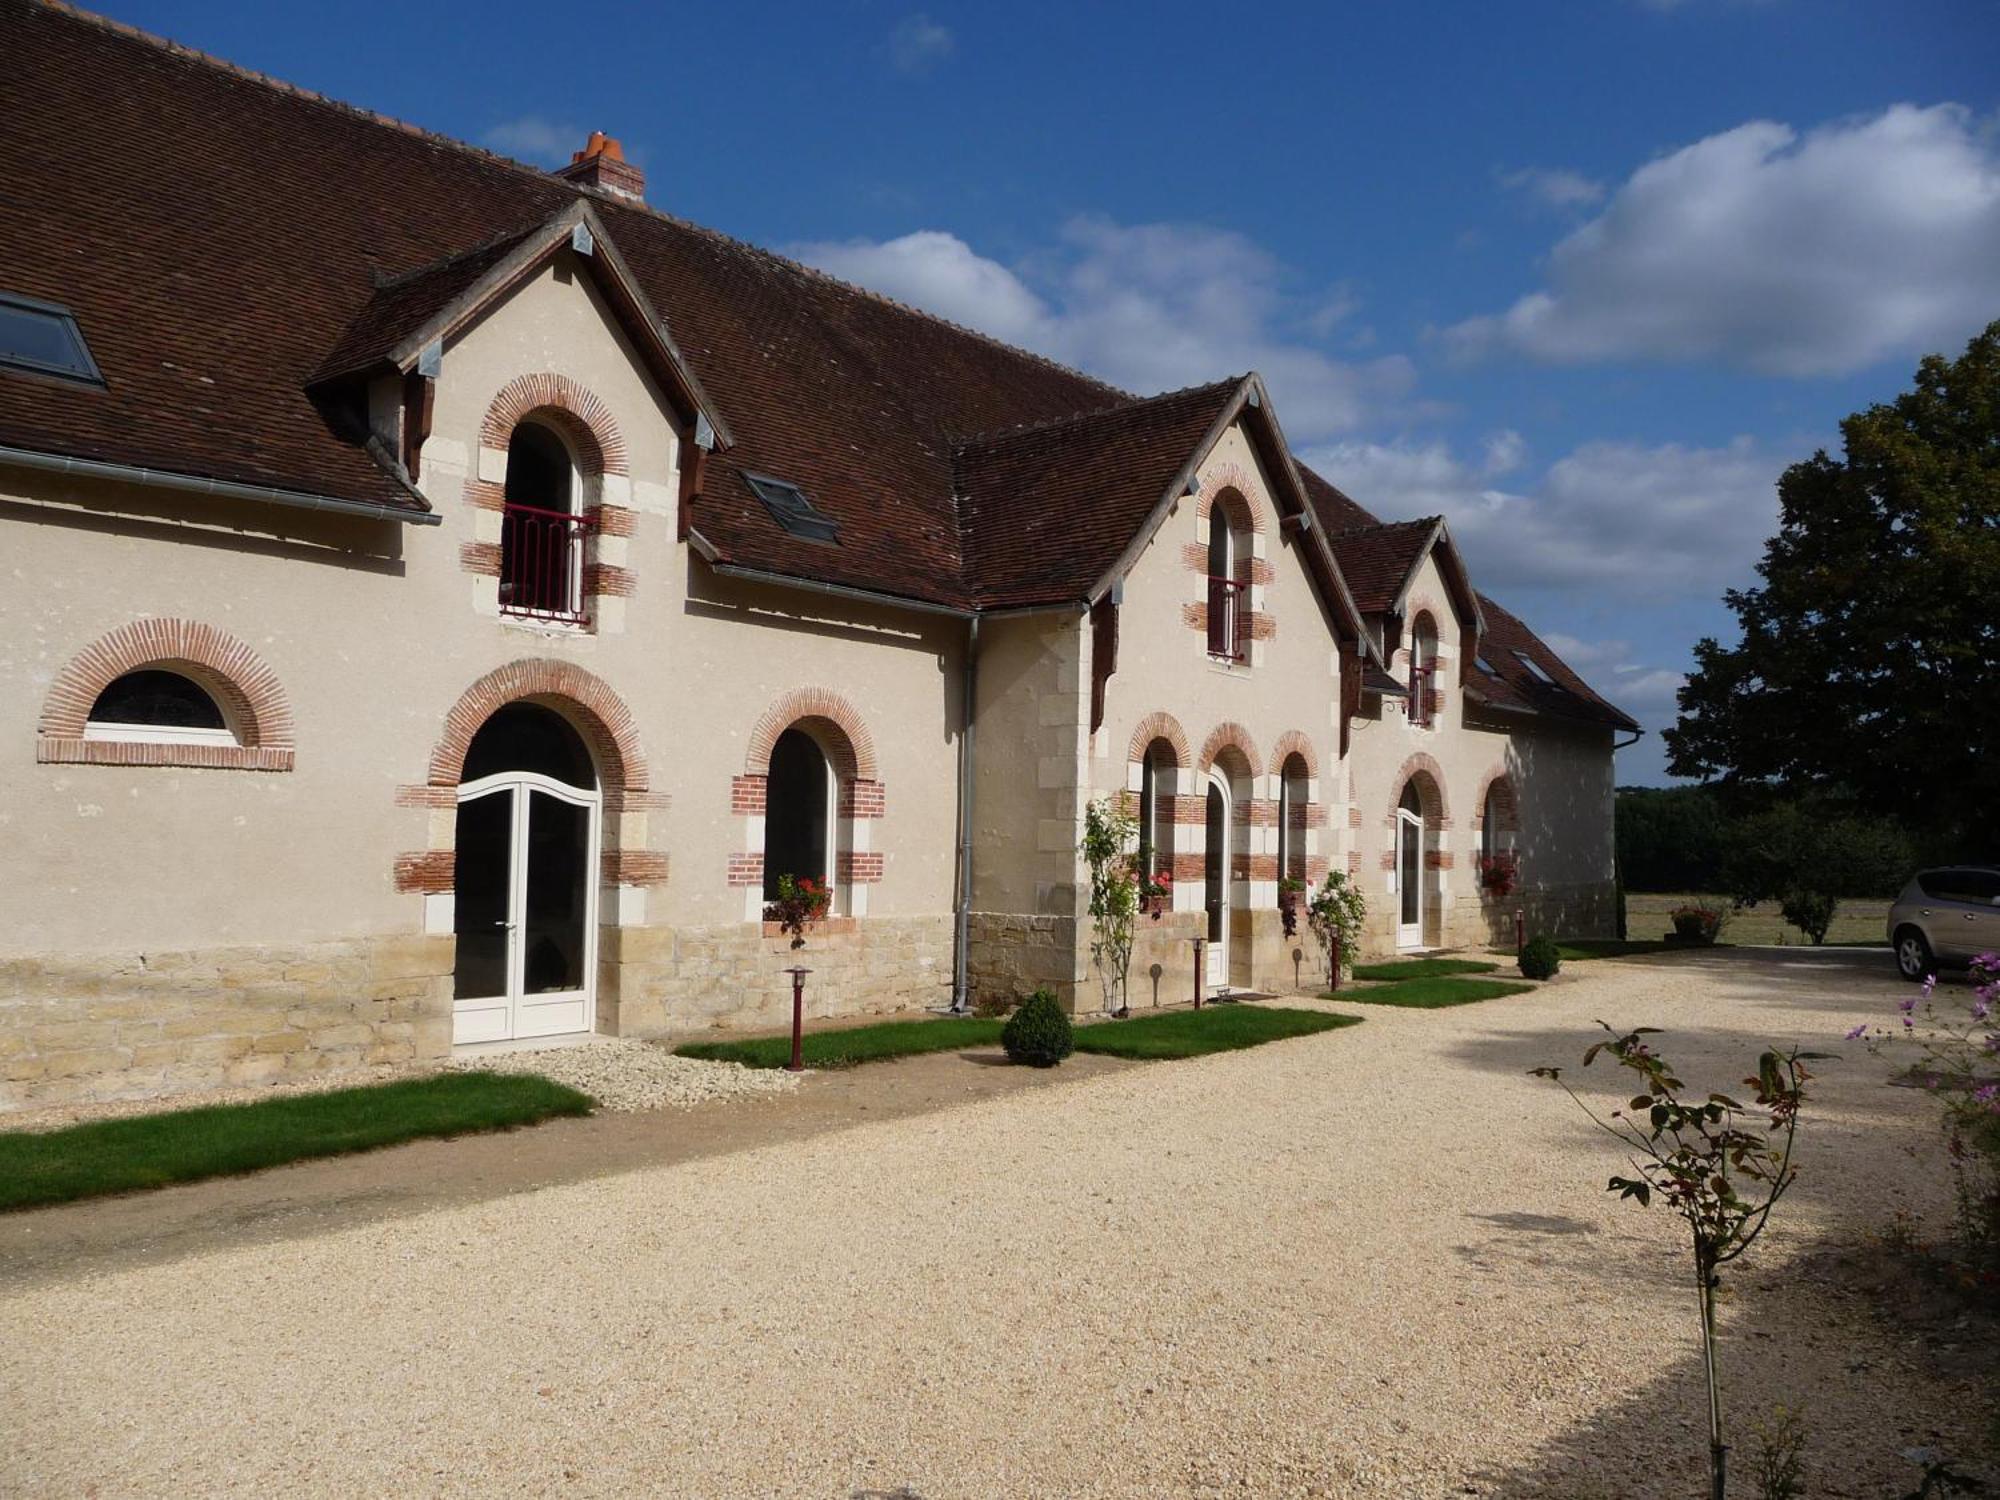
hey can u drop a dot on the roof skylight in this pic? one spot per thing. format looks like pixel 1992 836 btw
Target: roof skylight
pixel 1486 666
pixel 1534 668
pixel 790 508
pixel 43 338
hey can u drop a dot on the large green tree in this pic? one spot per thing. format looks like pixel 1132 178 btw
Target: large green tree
pixel 1869 669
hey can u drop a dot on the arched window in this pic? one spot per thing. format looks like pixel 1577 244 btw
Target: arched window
pixel 157 706
pixel 541 533
pixel 799 811
pixel 1228 583
pixel 1156 808
pixel 1423 671
pixel 1292 818
pixel 529 737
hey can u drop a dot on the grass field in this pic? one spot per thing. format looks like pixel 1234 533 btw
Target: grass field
pixel 1646 917
pixel 1214 1028
pixel 1431 994
pixel 855 1044
pixel 185 1145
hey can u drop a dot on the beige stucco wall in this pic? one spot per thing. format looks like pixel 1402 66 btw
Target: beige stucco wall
pixel 1562 776
pixel 374 631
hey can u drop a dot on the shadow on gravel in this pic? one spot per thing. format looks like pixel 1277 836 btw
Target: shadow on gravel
pixel 1831 1331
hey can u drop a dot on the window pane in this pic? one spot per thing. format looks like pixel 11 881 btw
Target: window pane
pixel 155 697
pixel 1215 881
pixel 553 929
pixel 528 737
pixel 484 865
pixel 795 812
pixel 1409 870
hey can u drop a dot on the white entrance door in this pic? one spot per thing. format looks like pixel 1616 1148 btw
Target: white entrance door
pixel 1215 885
pixel 1409 879
pixel 526 908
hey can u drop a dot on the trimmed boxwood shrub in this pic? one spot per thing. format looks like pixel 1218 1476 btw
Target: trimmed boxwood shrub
pixel 1541 957
pixel 1038 1034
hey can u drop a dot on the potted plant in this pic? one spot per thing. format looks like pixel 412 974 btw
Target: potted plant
pixel 1156 893
pixel 1500 873
pixel 1290 890
pixel 800 903
pixel 1699 926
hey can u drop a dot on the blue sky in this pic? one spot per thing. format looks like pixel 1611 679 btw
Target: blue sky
pixel 1584 276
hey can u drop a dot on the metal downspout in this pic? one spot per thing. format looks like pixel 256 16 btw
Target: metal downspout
pixel 961 1000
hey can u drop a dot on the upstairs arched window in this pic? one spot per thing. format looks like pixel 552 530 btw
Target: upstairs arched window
pixel 1156 808
pixel 1292 790
pixel 1228 578
pixel 157 706
pixel 1424 694
pixel 541 532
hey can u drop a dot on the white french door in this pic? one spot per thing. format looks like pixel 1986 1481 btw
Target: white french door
pixel 1215 883
pixel 1409 879
pixel 525 909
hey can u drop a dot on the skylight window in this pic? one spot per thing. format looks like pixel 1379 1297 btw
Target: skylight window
pixel 43 338
pixel 1534 668
pixel 789 507
pixel 1486 666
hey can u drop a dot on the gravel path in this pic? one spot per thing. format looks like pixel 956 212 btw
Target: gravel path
pixel 622 1074
pixel 1372 1262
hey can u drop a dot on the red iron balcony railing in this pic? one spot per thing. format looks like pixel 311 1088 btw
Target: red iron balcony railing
pixel 541 563
pixel 1228 618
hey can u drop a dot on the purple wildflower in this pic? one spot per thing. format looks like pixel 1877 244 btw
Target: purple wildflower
pixel 1858 1032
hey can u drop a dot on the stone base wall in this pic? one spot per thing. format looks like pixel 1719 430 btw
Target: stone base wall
pixel 1475 921
pixel 1011 955
pixel 662 981
pixel 84 1028
pixel 1169 942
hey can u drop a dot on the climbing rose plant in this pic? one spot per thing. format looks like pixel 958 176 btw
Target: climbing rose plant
pixel 1337 910
pixel 1712 1162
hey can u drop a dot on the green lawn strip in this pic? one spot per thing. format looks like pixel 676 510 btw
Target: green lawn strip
pixel 1214 1028
pixel 185 1145
pixel 855 1044
pixel 1432 994
pixel 1423 968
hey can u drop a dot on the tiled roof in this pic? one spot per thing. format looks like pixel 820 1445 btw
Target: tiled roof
pixel 1047 510
pixel 226 240
pixel 1377 559
pixel 1570 697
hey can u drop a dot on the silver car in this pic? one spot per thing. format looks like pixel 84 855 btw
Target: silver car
pixel 1945 916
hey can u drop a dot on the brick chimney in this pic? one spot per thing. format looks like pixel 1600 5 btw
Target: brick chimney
pixel 601 164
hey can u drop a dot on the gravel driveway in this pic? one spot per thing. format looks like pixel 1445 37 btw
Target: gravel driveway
pixel 1370 1262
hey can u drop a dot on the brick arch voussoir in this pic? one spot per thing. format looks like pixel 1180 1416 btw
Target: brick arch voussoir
pixel 599 714
pixel 582 414
pixel 251 696
pixel 1229 736
pixel 1231 480
pixel 1430 788
pixel 816 709
pixel 1160 726
pixel 1291 743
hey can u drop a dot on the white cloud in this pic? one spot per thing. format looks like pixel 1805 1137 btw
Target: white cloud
pixel 917 44
pixel 1558 187
pixel 1646 692
pixel 1148 307
pixel 1607 518
pixel 531 138
pixel 1783 253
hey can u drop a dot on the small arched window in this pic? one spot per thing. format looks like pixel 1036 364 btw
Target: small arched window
pixel 1156 808
pixel 157 706
pixel 541 534
pixel 1292 819
pixel 1423 671
pixel 799 812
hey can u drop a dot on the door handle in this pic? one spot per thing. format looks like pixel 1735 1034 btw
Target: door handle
pixel 508 925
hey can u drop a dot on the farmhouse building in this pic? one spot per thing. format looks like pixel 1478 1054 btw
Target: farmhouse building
pixel 445 597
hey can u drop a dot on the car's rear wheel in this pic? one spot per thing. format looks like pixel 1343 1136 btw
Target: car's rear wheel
pixel 1913 955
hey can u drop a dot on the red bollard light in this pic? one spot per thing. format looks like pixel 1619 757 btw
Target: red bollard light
pixel 1200 970
pixel 1520 931
pixel 798 1062
pixel 1334 983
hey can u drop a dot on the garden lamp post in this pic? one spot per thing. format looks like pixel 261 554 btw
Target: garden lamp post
pixel 798 1062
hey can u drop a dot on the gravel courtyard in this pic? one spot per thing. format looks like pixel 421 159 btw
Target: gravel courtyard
pixel 1376 1261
